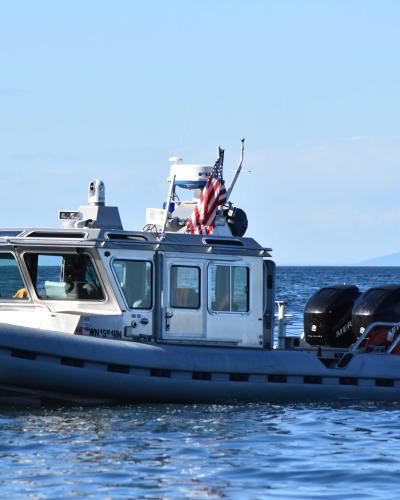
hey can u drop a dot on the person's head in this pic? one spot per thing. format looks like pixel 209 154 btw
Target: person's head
pixel 74 269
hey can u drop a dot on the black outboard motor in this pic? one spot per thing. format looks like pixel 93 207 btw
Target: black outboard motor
pixel 380 303
pixel 327 316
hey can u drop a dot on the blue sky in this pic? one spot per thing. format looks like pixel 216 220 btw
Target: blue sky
pixel 112 89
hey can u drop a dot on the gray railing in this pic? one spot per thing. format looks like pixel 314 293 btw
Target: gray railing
pixel 371 327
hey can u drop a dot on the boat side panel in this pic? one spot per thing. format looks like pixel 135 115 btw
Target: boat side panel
pixel 94 381
pixel 138 372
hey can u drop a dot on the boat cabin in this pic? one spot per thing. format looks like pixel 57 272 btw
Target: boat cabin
pixel 91 277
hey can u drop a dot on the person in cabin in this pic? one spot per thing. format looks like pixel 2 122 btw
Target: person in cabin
pixel 77 286
pixel 22 293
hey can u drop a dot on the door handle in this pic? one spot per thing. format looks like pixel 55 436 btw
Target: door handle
pixel 168 316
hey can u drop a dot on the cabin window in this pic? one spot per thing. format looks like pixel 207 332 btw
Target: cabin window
pixel 185 287
pixel 135 280
pixel 229 288
pixel 11 283
pixel 64 276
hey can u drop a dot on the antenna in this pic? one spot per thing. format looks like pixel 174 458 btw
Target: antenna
pixel 239 168
pixel 171 191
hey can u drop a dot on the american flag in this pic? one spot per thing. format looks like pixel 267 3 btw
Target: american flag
pixel 202 220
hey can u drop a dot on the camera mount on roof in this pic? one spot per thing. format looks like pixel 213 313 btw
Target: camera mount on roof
pixel 95 214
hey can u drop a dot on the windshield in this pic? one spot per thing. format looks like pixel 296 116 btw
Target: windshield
pixel 64 276
pixel 11 283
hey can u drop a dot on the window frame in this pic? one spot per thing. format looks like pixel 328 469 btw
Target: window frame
pixel 231 265
pixel 23 279
pixel 63 253
pixel 198 268
pixel 116 280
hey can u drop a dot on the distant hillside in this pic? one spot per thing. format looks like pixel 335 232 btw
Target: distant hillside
pixel 386 260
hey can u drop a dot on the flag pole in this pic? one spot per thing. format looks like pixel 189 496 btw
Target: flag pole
pixel 239 168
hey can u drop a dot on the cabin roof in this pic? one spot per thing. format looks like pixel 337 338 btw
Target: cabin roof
pixel 112 238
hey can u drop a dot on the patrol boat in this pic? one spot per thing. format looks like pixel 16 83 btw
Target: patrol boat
pixel 93 313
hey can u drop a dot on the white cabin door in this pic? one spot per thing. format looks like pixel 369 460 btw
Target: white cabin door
pixel 134 272
pixel 183 299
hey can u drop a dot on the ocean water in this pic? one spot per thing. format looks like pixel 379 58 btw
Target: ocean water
pixel 246 451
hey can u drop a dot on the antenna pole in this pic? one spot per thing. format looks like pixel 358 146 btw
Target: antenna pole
pixel 171 190
pixel 239 168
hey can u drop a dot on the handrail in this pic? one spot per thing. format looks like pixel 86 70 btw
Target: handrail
pixel 281 315
pixel 367 331
pixel 281 322
pixel 396 340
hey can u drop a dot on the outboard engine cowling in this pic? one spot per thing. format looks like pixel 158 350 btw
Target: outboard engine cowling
pixel 380 303
pixel 327 316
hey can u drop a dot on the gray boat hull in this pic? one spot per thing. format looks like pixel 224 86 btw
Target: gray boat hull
pixel 72 368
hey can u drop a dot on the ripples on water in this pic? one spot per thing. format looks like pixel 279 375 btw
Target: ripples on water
pixel 336 451
pixel 243 451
